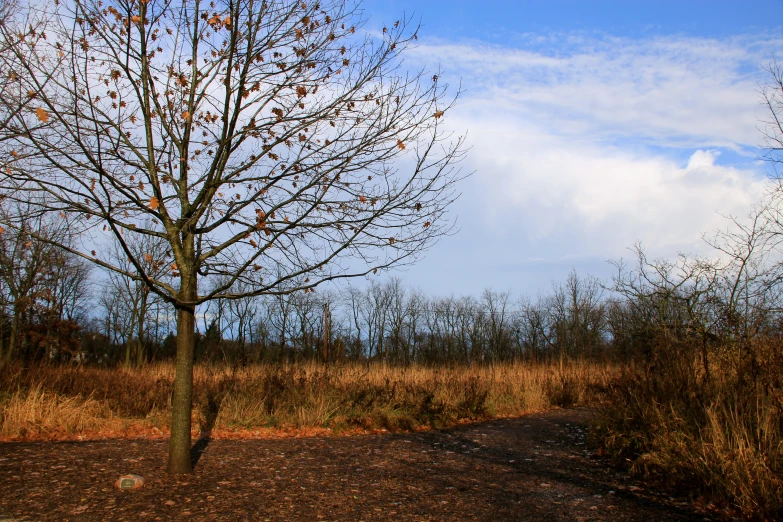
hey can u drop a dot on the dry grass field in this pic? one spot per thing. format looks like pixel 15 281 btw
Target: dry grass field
pixel 55 403
pixel 720 441
pixel 720 437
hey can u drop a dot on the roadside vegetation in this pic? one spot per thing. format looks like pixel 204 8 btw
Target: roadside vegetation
pixel 700 405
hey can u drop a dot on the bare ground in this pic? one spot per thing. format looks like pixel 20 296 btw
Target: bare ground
pixel 536 467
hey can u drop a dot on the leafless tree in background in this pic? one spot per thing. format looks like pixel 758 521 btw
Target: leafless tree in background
pixel 129 297
pixel 772 124
pixel 44 288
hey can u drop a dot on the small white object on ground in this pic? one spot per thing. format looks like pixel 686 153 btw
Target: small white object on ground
pixel 129 482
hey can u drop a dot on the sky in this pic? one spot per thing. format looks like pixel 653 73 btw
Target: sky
pixel 591 126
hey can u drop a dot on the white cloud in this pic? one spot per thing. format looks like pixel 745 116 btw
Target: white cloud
pixel 702 159
pixel 584 199
pixel 598 143
pixel 666 90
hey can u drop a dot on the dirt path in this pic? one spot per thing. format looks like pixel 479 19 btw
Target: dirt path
pixel 531 468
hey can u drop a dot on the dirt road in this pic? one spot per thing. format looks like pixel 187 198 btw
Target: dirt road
pixel 535 467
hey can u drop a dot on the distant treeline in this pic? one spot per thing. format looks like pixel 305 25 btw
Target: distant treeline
pixel 55 308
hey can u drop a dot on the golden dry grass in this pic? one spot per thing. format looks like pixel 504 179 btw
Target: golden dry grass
pixel 716 437
pixel 35 411
pixel 47 402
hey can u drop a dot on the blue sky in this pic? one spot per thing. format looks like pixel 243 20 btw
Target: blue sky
pixel 592 125
pixel 497 21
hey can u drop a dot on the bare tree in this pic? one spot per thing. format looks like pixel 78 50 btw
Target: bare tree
pixel 117 326
pixel 133 294
pixel 534 328
pixel 308 314
pixel 496 304
pixel 466 311
pixel 415 310
pixel 354 300
pixel 772 124
pixel 9 10
pixel 21 267
pixel 31 270
pixel 674 301
pixel 578 315
pixel 280 313
pixel 243 314
pixel 398 311
pixel 258 138
pixel 61 305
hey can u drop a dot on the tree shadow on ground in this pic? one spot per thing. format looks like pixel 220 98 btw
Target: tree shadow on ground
pixel 211 411
pixel 534 456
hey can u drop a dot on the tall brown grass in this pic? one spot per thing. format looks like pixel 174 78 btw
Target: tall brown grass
pixel 54 402
pixel 718 435
pixel 36 411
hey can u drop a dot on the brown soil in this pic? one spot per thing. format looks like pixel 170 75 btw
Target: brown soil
pixel 536 467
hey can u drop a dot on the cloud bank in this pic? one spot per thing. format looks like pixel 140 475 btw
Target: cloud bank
pixel 583 145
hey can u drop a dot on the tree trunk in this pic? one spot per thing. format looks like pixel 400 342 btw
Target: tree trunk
pixel 182 402
pixel 129 340
pixel 127 351
pixel 14 334
pixel 140 355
